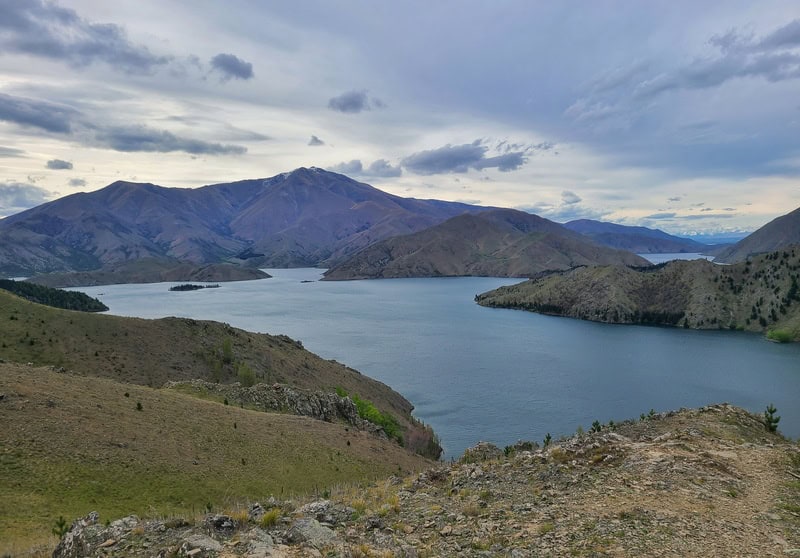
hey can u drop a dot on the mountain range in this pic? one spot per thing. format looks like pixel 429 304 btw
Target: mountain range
pixel 639 240
pixel 312 217
pixel 307 217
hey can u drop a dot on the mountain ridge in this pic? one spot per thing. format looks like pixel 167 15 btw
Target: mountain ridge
pixel 305 217
pixel 639 240
pixel 495 242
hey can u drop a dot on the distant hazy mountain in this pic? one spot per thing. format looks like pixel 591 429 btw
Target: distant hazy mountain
pixel 302 218
pixel 640 240
pixel 498 242
pixel 775 235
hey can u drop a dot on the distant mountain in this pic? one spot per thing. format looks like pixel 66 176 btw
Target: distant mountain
pixel 498 242
pixel 306 217
pixel 777 234
pixel 640 240
pixel 758 295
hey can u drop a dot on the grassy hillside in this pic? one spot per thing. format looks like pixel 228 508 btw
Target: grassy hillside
pixel 70 444
pixel 150 352
pixel 761 294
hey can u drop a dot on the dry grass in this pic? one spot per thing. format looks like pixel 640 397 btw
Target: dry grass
pixel 73 444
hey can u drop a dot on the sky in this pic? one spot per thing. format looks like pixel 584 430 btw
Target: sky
pixel 677 115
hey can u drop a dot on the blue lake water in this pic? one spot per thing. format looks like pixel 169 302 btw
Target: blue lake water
pixel 477 373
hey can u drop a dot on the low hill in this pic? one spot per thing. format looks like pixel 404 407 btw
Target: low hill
pixel 705 482
pixel 72 443
pixel 498 243
pixel 303 218
pixel 758 295
pixel 150 270
pixel 152 352
pixel 57 298
pixel 775 235
pixel 639 240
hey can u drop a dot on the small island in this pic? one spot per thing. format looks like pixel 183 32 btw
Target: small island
pixel 192 287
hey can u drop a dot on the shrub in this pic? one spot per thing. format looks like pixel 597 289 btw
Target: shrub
pixel 770 420
pixel 780 335
pixel 368 411
pixel 270 517
pixel 246 375
pixel 60 527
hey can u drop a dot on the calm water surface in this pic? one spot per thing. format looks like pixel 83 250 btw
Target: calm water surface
pixel 490 374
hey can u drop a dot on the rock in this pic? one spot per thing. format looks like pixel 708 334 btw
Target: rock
pixel 482 451
pixel 311 532
pixel 222 524
pixel 200 543
pixel 74 543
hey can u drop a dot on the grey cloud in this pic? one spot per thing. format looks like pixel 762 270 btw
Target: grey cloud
pixel 39 114
pixel 18 196
pixel 77 182
pixel 461 158
pixel 47 30
pixel 231 66
pixel 353 102
pixel 315 141
pixel 58 164
pixel 383 169
pixel 564 212
pixel 769 58
pixel 786 36
pixel 705 216
pixel 661 215
pixel 674 199
pixel 570 198
pixel 142 138
pixel 11 152
pixel 353 167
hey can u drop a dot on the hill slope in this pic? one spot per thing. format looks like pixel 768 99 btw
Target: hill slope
pixel 706 482
pixel 775 235
pixel 498 242
pixel 151 352
pixel 70 443
pixel 639 240
pixel 757 295
pixel 300 218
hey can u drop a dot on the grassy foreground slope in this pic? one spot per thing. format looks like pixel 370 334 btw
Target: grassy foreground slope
pixel 70 444
pixel 760 294
pixel 150 352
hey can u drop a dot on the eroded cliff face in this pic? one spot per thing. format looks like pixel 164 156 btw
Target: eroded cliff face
pixel 706 482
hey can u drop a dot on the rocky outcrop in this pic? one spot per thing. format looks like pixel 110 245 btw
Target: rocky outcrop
pixel 320 405
pixel 706 482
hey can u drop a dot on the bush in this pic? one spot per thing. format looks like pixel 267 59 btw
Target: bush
pixel 780 335
pixel 368 411
pixel 246 375
pixel 770 420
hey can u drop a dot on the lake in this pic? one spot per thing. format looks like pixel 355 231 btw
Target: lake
pixel 477 373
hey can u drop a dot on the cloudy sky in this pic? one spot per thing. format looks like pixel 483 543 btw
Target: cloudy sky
pixel 673 114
